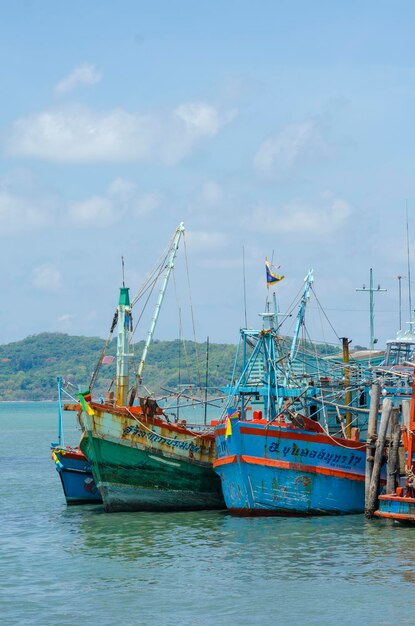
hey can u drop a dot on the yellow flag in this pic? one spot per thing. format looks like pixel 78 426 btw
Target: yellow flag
pixel 85 405
pixel 228 430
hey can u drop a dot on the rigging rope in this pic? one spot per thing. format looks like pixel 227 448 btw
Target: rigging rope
pixel 324 313
pixel 191 310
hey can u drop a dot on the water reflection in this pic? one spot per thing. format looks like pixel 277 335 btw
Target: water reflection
pixel 134 536
pixel 347 548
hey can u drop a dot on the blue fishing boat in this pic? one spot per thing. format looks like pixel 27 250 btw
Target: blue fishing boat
pixel 286 445
pixel 283 469
pixel 72 465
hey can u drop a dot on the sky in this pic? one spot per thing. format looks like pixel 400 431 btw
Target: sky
pixel 271 129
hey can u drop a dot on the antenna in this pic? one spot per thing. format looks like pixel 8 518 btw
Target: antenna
pixel 409 266
pixel 243 268
pixel 123 277
pixel 400 301
pixel 206 380
pixel 371 291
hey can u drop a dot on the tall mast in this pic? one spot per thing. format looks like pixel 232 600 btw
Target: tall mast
pixel 400 302
pixel 60 417
pixel 123 346
pixel 300 319
pixel 371 291
pixel 409 268
pixel 206 379
pixel 168 268
pixel 347 394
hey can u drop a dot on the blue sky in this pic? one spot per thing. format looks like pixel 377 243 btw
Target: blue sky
pixel 283 128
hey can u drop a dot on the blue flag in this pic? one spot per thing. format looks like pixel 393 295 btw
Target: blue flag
pixel 271 277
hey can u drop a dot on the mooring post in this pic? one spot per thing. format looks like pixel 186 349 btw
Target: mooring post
pixel 371 436
pixel 406 408
pixel 393 452
pixel 377 462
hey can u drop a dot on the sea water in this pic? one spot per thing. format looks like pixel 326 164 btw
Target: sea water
pixel 78 565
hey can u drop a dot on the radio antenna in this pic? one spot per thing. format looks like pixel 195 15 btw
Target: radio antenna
pixel 409 267
pixel 243 267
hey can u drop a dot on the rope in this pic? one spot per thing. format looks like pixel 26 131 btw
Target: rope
pixel 153 284
pixel 191 310
pixel 324 313
pixel 98 365
pixel 195 435
pixel 182 339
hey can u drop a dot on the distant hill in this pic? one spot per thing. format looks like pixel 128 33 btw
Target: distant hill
pixel 28 368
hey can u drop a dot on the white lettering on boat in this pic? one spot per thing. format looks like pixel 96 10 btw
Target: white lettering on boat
pixel 154 437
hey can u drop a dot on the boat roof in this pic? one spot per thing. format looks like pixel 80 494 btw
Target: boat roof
pixel 406 337
pixel 357 355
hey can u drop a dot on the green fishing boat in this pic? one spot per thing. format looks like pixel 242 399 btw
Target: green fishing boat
pixel 141 459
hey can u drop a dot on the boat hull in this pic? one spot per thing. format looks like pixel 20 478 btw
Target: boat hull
pixel 399 508
pixel 271 470
pixel 76 477
pixel 148 465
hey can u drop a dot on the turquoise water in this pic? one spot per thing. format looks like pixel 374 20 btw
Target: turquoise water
pixel 76 565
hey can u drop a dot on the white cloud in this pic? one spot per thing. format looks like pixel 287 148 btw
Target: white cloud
pixel 125 194
pixel 281 151
pixel 122 198
pixel 24 204
pixel 65 318
pixel 221 263
pixel 47 277
pixel 97 210
pixel 79 134
pixel 200 119
pixel 211 193
pixel 85 74
pixel 204 241
pixel 323 218
pixel 189 125
pixel 146 203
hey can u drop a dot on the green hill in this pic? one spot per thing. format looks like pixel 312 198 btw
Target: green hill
pixel 28 368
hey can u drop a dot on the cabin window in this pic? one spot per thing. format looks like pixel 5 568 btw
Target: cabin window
pixel 313 412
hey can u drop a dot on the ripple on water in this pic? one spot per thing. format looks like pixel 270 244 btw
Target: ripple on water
pixel 74 565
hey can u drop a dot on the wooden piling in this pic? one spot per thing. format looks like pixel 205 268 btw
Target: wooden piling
pixel 406 407
pixel 377 462
pixel 393 452
pixel 371 436
pixel 347 394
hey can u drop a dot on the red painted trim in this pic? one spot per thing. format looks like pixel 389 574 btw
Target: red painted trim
pixel 398 516
pixel 149 421
pixel 298 467
pixel 295 435
pixel 225 461
pixel 67 454
pixel 394 498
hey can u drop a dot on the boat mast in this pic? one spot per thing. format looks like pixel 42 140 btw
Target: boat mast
pixel 123 346
pixel 206 379
pixel 371 291
pixel 169 267
pixel 300 319
pixel 60 417
pixel 347 394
